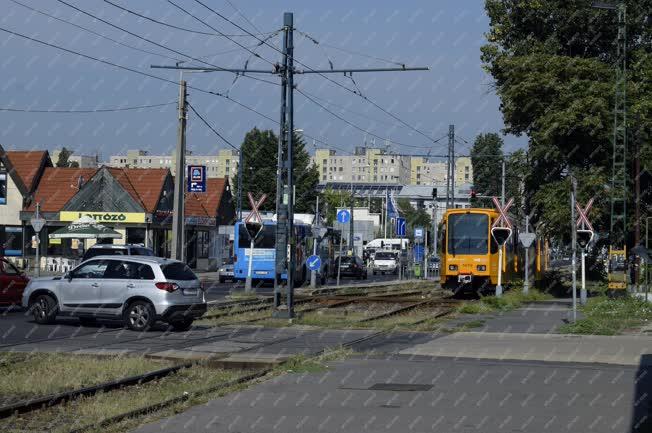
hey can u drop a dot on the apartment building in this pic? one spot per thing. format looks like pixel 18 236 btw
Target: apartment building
pixel 372 165
pixel 222 165
pixel 366 165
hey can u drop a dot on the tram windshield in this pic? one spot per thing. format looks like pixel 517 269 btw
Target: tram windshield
pixel 468 234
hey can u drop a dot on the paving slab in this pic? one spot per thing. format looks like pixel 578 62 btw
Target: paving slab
pixel 621 350
pixel 440 395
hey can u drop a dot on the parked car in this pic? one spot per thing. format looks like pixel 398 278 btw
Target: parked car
pixel 226 272
pixel 433 264
pixel 12 283
pixel 385 262
pixel 352 266
pixel 139 290
pixel 116 250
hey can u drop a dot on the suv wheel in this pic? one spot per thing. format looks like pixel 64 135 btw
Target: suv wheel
pixel 181 325
pixel 139 316
pixel 44 309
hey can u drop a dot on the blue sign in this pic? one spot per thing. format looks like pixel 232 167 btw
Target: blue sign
pixel 343 216
pixel 314 263
pixel 400 227
pixel 418 253
pixel 196 178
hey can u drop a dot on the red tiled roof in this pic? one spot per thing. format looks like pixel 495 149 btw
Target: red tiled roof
pixel 143 184
pixel 206 204
pixel 57 186
pixel 27 164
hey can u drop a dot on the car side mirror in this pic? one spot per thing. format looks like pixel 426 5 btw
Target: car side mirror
pixel 68 276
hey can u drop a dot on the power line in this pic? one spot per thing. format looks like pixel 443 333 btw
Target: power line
pixel 211 127
pixel 319 73
pixel 151 41
pixel 98 110
pixel 243 16
pixel 92 31
pixel 362 129
pixel 183 29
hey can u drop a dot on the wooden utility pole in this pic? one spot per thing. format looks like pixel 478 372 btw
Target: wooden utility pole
pixel 179 180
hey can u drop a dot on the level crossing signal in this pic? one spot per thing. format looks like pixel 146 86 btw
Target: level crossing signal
pixel 584 228
pixel 501 229
pixel 254 222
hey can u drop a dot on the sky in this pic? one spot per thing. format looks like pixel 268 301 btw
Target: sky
pixel 444 35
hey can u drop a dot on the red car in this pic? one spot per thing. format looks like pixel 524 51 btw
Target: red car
pixel 12 283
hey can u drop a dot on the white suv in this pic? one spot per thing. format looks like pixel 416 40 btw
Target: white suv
pixel 137 289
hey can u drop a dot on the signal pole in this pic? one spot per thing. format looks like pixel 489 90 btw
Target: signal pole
pixel 450 177
pixel 574 246
pixel 285 240
pixel 179 180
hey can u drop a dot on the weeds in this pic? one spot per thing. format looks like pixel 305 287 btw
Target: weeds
pixel 510 300
pixel 605 316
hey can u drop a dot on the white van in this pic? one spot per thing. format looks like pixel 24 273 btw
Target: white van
pixel 388 244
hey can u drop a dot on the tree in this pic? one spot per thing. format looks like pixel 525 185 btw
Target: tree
pixel 413 217
pixel 330 200
pixel 486 159
pixel 64 155
pixel 259 154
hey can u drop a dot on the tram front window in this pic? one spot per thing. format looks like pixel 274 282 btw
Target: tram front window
pixel 468 234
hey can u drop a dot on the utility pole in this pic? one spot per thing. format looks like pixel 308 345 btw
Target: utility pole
pixel 526 283
pixel 240 164
pixel 351 234
pixel 574 246
pixel 285 239
pixel 178 213
pixel 502 188
pixel 450 177
pixel 316 225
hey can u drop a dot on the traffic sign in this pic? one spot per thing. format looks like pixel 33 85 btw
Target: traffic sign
pixel 254 222
pixel 503 219
pixel 37 223
pixel 400 227
pixel 343 216
pixel 418 232
pixel 418 253
pixel 582 219
pixel 196 178
pixel 526 239
pixel 501 234
pixel 584 237
pixel 314 262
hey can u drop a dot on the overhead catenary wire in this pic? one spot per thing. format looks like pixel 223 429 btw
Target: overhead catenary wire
pixel 172 26
pixel 97 110
pixel 319 73
pixel 151 41
pixel 93 32
pixel 211 127
pixel 243 16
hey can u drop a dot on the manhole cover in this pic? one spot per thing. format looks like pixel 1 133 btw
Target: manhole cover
pixel 401 387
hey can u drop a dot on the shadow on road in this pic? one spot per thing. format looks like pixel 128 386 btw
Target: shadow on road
pixel 642 410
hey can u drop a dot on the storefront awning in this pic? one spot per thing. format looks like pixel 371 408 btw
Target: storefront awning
pixel 85 228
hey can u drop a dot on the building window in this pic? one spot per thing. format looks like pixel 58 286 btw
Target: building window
pixel 341 168
pixel 324 177
pixel 203 244
pixel 3 188
pixel 324 162
pixel 12 240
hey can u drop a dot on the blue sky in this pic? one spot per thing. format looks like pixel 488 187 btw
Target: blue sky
pixel 445 35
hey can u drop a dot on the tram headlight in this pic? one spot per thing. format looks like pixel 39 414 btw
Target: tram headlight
pixel 481 268
pixel 452 267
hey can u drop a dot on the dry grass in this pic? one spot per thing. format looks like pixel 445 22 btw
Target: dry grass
pixel 26 376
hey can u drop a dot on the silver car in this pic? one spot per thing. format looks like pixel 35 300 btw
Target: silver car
pixel 139 290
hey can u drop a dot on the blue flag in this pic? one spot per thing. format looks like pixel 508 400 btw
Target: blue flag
pixel 392 208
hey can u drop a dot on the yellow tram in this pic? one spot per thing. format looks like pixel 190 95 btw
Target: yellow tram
pixel 469 254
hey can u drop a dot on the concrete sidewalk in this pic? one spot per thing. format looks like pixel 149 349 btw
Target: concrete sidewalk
pixel 620 350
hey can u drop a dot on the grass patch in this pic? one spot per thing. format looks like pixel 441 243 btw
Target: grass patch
pixel 466 326
pixel 510 300
pixel 605 316
pixel 89 410
pixel 37 374
pixel 303 364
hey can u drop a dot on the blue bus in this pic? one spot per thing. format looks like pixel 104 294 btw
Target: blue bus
pixel 264 253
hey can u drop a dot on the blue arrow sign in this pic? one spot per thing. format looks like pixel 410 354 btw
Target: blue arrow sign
pixel 343 216
pixel 400 227
pixel 314 263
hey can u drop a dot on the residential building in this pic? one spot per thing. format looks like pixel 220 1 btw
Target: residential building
pixel 222 165
pixel 373 165
pixel 366 165
pixel 83 161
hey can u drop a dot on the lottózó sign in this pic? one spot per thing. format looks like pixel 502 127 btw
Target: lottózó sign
pixel 104 217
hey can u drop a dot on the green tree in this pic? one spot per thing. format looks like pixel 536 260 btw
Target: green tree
pixel 486 159
pixel 259 154
pixel 330 200
pixel 64 155
pixel 413 217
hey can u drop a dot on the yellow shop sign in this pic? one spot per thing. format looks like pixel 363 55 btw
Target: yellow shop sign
pixel 104 217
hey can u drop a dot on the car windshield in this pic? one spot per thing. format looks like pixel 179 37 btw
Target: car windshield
pixel 384 256
pixel 105 252
pixel 178 271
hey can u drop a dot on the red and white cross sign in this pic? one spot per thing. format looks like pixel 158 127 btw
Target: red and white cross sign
pixel 503 219
pixel 583 220
pixel 254 217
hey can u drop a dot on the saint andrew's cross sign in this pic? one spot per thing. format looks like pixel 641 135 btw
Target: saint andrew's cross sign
pixel 254 221
pixel 501 229
pixel 584 232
